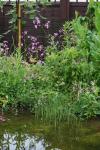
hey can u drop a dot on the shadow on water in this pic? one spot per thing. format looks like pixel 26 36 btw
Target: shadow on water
pixel 24 133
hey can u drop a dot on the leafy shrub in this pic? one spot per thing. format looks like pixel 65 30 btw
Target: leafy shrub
pixel 13 82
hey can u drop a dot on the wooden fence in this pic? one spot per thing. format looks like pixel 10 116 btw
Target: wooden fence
pixel 57 12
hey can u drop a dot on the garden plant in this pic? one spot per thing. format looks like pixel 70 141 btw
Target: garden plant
pixel 65 79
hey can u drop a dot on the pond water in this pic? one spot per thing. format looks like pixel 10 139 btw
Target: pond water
pixel 24 133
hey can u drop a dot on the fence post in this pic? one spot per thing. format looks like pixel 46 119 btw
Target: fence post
pixel 19 23
pixel 64 9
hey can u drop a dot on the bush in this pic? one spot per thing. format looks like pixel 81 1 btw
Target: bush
pixel 13 80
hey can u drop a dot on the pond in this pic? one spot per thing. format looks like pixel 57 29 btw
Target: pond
pixel 22 132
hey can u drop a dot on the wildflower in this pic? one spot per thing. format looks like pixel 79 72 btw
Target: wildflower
pixel 37 20
pixel 28 37
pixel 47 25
pixel 33 47
pixel 22 36
pixel 61 31
pixel 25 32
pixel 55 34
pixel 33 38
pixel 42 54
pixel 5 48
pixel 5 42
pixel 35 26
pixel 40 62
pixel 28 49
pixel 40 47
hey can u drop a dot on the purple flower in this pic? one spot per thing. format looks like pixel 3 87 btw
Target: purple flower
pixel 37 20
pixel 5 42
pixel 4 45
pixel 47 25
pixel 40 62
pixel 56 34
pixel 28 37
pixel 25 32
pixel 40 47
pixel 42 54
pixel 61 31
pixel 35 26
pixel 33 38
pixel 33 47
pixel 5 48
pixel 22 36
pixel 28 50
pixel 33 52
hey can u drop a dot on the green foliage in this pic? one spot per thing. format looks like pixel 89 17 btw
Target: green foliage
pixel 69 38
pixel 1 4
pixel 97 19
pixel 13 18
pixel 12 79
pixel 87 105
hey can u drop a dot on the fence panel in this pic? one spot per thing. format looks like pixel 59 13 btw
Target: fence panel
pixel 57 13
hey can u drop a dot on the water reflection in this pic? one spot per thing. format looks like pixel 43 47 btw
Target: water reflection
pixel 21 142
pixel 25 133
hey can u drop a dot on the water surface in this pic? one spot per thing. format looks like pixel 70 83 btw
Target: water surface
pixel 24 133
